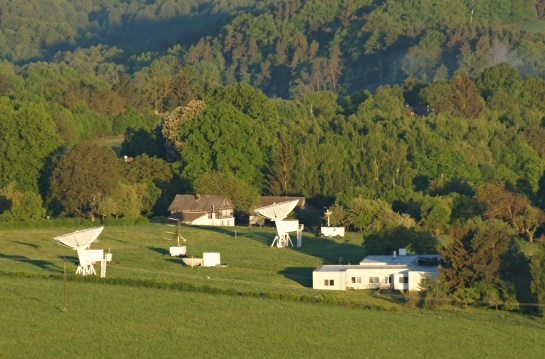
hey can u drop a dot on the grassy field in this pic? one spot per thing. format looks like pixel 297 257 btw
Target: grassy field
pixel 113 142
pixel 532 26
pixel 127 321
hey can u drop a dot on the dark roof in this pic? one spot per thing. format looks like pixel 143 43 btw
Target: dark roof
pixel 199 203
pixel 268 200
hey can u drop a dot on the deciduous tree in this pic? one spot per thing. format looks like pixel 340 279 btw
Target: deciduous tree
pixel 82 176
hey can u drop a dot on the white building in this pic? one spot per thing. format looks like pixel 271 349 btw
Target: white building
pixel 396 272
pixel 205 210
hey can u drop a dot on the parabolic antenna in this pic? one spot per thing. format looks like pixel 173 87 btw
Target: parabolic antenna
pixel 80 241
pixel 277 212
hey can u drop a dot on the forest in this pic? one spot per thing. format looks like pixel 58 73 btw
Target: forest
pixel 409 120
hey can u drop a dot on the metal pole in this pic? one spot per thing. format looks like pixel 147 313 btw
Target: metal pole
pixel 64 308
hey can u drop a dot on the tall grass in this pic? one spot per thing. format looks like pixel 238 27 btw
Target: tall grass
pixel 128 322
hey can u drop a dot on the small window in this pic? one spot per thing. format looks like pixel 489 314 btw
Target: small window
pixel 376 280
pixel 403 280
pixel 353 279
pixel 358 279
pixel 331 282
pixel 326 282
pixel 370 280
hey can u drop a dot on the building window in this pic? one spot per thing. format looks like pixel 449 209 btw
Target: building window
pixel 356 279
pixel 403 280
pixel 373 280
pixel 387 280
pixel 329 282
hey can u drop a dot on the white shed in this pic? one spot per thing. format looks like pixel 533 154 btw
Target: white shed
pixel 211 259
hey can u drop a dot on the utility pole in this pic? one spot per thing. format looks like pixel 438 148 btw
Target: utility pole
pixel 64 308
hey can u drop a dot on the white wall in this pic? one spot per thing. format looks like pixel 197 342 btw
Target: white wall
pixel 364 277
pixel 319 280
pixel 332 231
pixel 204 221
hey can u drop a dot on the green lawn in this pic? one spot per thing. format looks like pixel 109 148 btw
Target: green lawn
pixel 128 321
pixel 532 26
pixel 113 142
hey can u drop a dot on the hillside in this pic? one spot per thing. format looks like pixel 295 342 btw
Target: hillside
pixel 142 308
pixel 406 121
pixel 286 50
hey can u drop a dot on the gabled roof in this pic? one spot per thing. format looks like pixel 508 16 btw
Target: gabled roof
pixel 199 203
pixel 268 200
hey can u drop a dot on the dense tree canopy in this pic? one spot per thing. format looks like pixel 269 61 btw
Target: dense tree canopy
pixel 82 177
pixel 27 138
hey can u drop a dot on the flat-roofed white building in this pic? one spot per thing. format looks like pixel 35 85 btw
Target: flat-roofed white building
pixel 395 272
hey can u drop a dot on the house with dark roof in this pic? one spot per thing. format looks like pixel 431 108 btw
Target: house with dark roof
pixel 204 210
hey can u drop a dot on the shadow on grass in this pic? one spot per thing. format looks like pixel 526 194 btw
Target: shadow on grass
pixel 161 251
pixel 175 260
pixel 301 275
pixel 46 265
pixel 229 231
pixel 35 246
pixel 255 233
pixel 332 251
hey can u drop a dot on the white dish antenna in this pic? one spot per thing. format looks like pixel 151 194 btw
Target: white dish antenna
pixel 277 212
pixel 81 241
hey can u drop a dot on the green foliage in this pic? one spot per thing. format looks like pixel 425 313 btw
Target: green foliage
pixel 223 139
pixel 141 142
pixel 82 176
pixel 27 140
pixel 391 239
pixel 19 206
pixel 442 161
pixel 465 296
pixel 435 214
pixel 480 253
pixel 537 269
pixel 130 118
pixel 243 196
pixel 433 293
pixel 338 216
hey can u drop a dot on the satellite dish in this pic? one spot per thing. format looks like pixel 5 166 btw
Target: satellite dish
pixel 80 241
pixel 277 212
